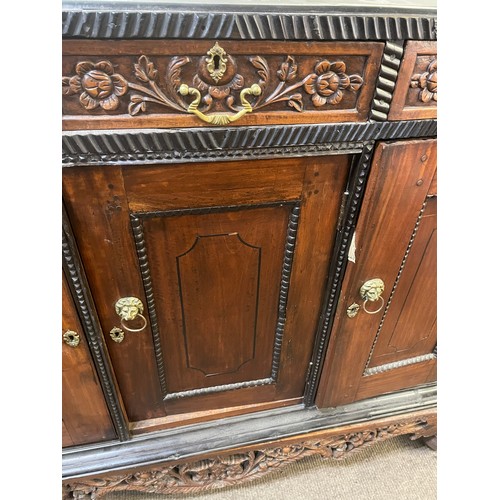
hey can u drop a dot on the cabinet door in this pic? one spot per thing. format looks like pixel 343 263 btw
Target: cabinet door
pixel 230 262
pixel 85 417
pixel 392 346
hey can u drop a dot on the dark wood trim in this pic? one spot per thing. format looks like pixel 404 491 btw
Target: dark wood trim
pixel 85 307
pixel 355 190
pixel 130 147
pixel 386 82
pixel 142 255
pixel 251 431
pixel 96 20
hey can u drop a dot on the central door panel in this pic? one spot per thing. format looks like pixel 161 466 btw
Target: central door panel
pixel 216 279
pixel 230 260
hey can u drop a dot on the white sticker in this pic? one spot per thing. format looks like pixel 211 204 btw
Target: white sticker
pixel 352 249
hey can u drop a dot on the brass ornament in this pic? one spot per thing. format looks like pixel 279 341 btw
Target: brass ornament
pixel 129 308
pixel 353 310
pixel 71 338
pixel 371 291
pixel 216 62
pixel 219 118
pixel 117 334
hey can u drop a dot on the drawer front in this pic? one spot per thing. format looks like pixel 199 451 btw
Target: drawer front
pixel 415 95
pixel 186 83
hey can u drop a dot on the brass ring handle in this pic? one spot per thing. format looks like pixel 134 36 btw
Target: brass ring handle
pixel 219 118
pixel 129 308
pixel 136 330
pixel 377 310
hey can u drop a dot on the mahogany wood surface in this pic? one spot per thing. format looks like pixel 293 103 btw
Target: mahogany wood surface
pixel 237 256
pixel 416 101
pixel 84 412
pixel 402 173
pixel 135 84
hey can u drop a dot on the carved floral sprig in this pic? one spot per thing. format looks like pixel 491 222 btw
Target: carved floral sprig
pixel 427 82
pixel 326 85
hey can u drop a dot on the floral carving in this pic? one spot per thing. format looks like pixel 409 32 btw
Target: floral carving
pixel 227 470
pixel 97 85
pixel 328 83
pixel 427 82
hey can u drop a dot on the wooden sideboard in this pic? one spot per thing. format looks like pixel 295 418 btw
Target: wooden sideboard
pixel 249 238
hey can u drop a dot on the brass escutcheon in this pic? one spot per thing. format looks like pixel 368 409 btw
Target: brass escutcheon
pixel 353 309
pixel 117 334
pixel 216 62
pixel 71 338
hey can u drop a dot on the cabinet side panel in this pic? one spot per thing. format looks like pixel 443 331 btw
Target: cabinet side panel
pixel 84 412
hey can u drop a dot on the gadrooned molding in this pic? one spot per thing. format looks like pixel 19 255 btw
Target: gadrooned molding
pixel 125 21
pixel 108 147
pixel 386 82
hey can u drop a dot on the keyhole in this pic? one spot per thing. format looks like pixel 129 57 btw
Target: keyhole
pixel 71 338
pixel 216 62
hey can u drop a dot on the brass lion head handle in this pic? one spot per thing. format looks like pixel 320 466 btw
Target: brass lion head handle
pixel 129 308
pixel 371 291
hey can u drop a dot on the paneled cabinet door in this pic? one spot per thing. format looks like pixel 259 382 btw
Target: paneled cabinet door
pixel 85 417
pixel 228 262
pixel 384 333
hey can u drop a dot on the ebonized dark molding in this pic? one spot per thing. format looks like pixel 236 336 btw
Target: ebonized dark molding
pixel 355 191
pixel 386 82
pixel 125 147
pixel 78 285
pixel 97 20
pixel 213 437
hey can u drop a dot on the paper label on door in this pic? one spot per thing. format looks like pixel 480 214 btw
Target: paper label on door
pixel 352 249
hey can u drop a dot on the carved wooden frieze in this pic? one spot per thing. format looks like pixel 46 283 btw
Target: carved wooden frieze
pixel 415 96
pixel 145 84
pixel 226 470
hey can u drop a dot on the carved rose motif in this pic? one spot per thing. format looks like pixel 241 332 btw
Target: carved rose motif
pixel 328 83
pixel 427 81
pixel 97 84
